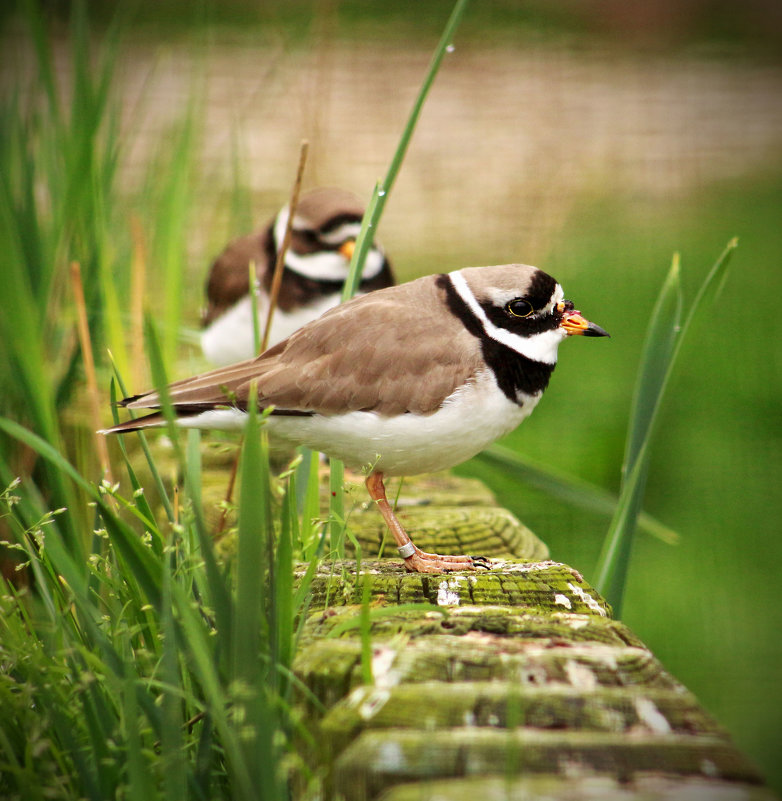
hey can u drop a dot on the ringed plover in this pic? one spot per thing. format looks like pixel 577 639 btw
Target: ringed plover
pixel 410 379
pixel 325 227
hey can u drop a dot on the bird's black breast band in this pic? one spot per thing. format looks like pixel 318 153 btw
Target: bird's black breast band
pixel 513 371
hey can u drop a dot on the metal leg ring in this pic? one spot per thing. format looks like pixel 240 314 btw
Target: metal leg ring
pixel 408 549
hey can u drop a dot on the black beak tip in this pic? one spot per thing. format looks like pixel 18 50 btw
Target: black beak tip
pixel 594 330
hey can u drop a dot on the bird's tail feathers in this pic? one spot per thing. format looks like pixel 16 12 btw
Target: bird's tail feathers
pixel 154 420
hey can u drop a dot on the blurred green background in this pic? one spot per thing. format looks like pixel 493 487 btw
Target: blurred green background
pixel 593 139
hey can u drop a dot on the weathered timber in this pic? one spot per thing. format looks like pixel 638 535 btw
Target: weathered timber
pixel 541 787
pixel 443 513
pixel 531 584
pixel 485 530
pixel 515 683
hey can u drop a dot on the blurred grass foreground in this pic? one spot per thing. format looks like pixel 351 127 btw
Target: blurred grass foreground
pixel 593 142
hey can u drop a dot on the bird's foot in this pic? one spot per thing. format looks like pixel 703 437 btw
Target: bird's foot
pixel 422 562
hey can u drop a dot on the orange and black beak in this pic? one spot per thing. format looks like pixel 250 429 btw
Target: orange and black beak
pixel 347 248
pixel 576 325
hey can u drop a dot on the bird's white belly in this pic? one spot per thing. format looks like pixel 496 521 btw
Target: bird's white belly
pixel 230 338
pixel 472 418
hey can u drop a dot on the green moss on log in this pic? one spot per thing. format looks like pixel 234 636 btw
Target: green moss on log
pixel 651 787
pixel 491 677
pixel 376 760
pixel 544 585
pixel 507 704
pixel 484 530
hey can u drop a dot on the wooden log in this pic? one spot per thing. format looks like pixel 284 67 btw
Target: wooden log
pixel 509 685
pixel 514 683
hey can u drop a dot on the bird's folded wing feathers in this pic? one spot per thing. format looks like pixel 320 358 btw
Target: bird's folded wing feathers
pixel 229 275
pixel 390 352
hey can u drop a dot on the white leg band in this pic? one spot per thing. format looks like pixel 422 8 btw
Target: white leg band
pixel 408 549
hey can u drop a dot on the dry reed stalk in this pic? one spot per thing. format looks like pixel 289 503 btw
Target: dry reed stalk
pixel 138 280
pixel 101 447
pixel 278 265
pixel 274 293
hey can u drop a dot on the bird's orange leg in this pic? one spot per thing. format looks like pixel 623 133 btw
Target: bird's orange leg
pixel 416 560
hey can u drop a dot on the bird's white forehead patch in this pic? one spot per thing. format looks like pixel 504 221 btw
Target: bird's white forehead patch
pixel 499 297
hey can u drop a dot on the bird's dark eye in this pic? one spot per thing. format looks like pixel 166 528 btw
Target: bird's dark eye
pixel 309 236
pixel 518 307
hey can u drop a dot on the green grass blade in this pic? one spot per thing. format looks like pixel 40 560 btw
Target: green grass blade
pixel 193 472
pixel 195 641
pixel 160 381
pixel 282 595
pixel 35 21
pixel 144 509
pixel 708 293
pixel 311 507
pixel 356 547
pixel 568 489
pixel 76 575
pixel 85 760
pixel 60 574
pixel 445 45
pixel 614 562
pixel 140 787
pixel 252 629
pixel 142 438
pixel 253 279
pixel 661 348
pixel 301 596
pixel 302 475
pixel 171 740
pixel 218 592
pixel 30 379
pixel 137 556
pixel 252 568
pixel 20 521
pixel 382 190
pixel 363 243
pixel 656 355
pixel 132 550
pixel 336 508
pixel 365 631
pixel 658 349
pixel 173 194
pixel 292 495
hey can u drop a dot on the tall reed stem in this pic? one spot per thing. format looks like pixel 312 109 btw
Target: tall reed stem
pixel 382 190
pixel 279 264
pixel 101 447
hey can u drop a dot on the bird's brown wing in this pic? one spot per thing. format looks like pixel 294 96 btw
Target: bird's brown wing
pixel 396 350
pixel 229 275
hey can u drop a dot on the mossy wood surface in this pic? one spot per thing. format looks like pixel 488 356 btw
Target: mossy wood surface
pixel 509 685
pixel 444 513
pixel 512 684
